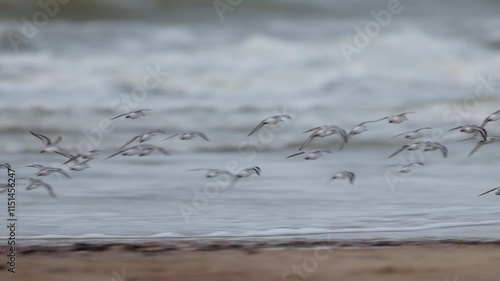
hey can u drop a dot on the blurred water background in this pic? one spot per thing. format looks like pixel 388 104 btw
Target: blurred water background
pixel 223 77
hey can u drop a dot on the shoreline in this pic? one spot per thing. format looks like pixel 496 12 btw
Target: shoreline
pixel 217 244
pixel 369 260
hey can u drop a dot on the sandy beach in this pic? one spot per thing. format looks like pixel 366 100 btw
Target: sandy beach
pixel 361 261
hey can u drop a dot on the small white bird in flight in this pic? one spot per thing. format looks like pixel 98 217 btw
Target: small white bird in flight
pixel 146 136
pixel 404 169
pixel 472 129
pixel 80 166
pixel 410 147
pixel 480 143
pixel 325 131
pixel 497 189
pixel 361 127
pixel 495 116
pixel 273 120
pixel 412 135
pixel 50 146
pixel 187 135
pixel 433 146
pixel 245 173
pixel 140 150
pixel 35 183
pixel 344 175
pixel 132 114
pixel 85 157
pixel 45 171
pixel 399 118
pixel 311 155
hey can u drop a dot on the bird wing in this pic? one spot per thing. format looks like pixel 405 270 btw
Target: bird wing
pixel 172 136
pixel 49 188
pixel 309 139
pixel 61 171
pixel 258 127
pixel 121 115
pixel 295 154
pixel 444 149
pixel 113 155
pixel 129 142
pixel 404 113
pixel 43 138
pixel 487 192
pixel 313 129
pixel 162 150
pixel 351 177
pixel 476 147
pixel 372 121
pixel 202 135
pixel 399 150
pixel 401 134
pixel 424 128
pixel 456 128
pixel 285 116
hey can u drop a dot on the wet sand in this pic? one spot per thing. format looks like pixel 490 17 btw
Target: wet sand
pixel 229 260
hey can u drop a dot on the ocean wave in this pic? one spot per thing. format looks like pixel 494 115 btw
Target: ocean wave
pixel 270 233
pixel 158 9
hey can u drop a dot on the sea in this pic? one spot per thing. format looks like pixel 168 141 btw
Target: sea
pixel 221 67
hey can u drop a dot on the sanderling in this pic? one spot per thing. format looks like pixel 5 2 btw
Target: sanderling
pixel 35 183
pixel 144 137
pixel 343 175
pixel 132 114
pixel 399 118
pixel 412 135
pixel 87 156
pixel 273 120
pixel 187 135
pixel 497 189
pixel 495 116
pixel 80 166
pixel 140 150
pixel 245 173
pixel 409 147
pixel 311 155
pixel 325 131
pixel 50 146
pixel 404 169
pixel 361 127
pixel 433 146
pixel 480 143
pixel 45 171
pixel 472 129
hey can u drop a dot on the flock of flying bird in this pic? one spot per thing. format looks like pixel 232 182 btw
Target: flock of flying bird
pixel 80 161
